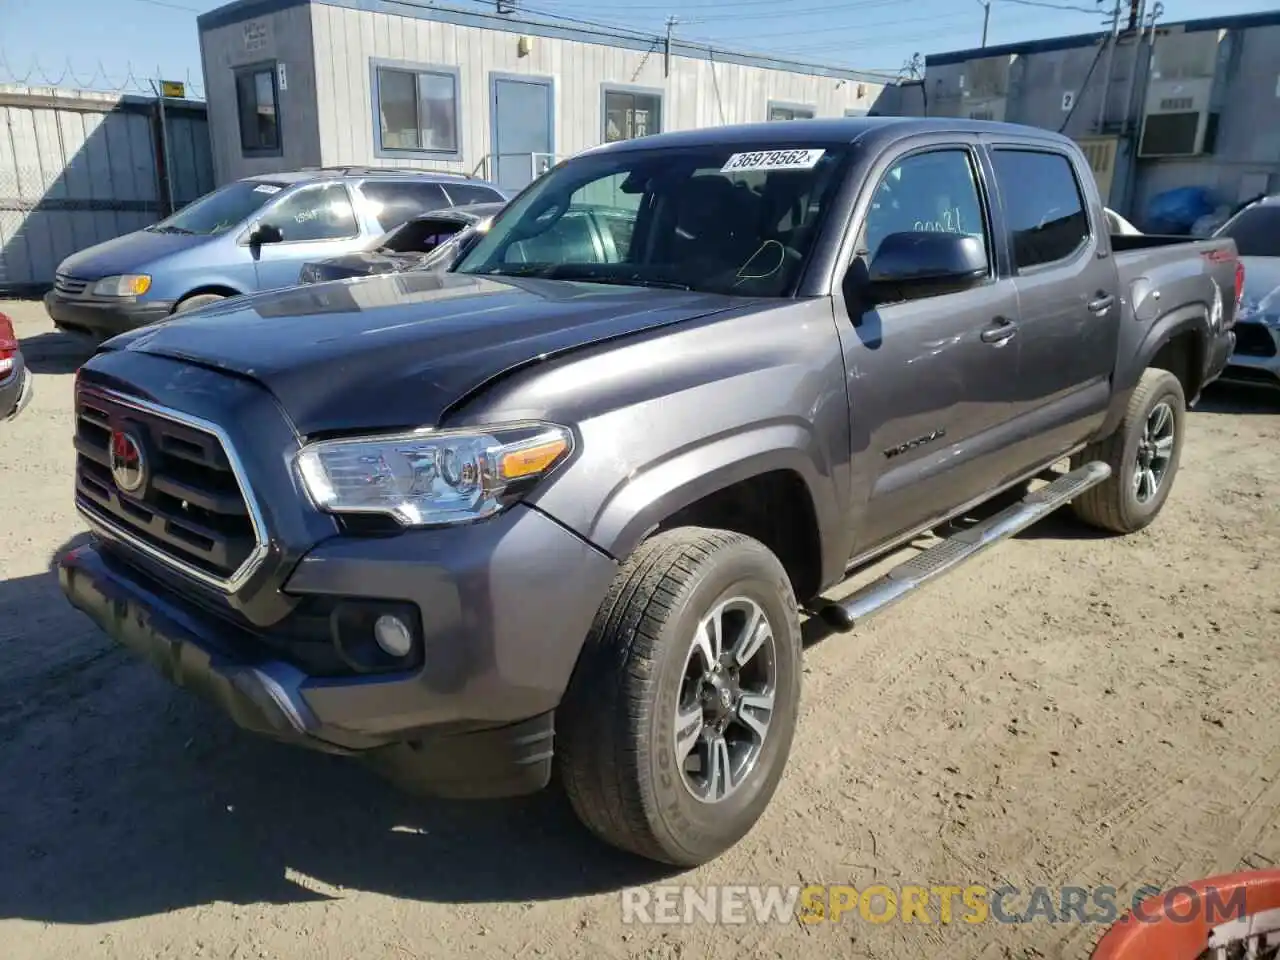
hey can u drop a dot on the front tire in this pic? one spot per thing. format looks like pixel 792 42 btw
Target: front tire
pixel 678 721
pixel 1143 453
pixel 196 302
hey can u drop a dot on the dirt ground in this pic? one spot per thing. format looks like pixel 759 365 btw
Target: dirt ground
pixel 1068 709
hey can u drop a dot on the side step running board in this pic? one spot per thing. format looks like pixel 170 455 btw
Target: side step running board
pixel 956 549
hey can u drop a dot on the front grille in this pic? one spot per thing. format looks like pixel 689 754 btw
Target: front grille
pixel 69 286
pixel 190 511
pixel 1254 340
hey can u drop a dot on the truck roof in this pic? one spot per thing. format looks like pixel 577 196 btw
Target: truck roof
pixel 766 134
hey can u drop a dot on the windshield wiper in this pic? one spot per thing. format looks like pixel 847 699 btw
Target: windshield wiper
pixel 634 280
pixel 169 229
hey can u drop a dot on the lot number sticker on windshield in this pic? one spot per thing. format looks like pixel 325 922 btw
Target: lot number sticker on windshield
pixel 773 160
pixel 266 188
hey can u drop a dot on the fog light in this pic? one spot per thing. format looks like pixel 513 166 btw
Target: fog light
pixel 393 635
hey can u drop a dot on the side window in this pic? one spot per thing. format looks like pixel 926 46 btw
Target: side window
pixel 935 192
pixel 258 106
pixel 789 111
pixel 464 193
pixel 395 203
pixel 314 213
pixel 1043 206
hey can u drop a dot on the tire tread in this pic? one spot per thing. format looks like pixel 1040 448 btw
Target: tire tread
pixel 607 707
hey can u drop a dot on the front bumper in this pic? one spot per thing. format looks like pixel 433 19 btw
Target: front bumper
pixel 505 607
pixel 1256 357
pixel 103 318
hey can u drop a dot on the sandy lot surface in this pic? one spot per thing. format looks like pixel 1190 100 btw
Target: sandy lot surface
pixel 1069 709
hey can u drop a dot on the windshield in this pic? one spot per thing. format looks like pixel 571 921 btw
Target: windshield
pixel 221 210
pixel 1255 230
pixel 711 218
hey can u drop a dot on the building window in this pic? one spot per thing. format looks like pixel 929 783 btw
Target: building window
pixel 631 113
pixel 258 103
pixel 789 111
pixel 415 110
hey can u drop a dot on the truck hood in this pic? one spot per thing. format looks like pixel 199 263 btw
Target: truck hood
pixel 133 253
pixel 398 350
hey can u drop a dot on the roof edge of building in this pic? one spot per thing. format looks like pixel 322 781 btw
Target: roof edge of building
pixel 241 10
pixel 1238 21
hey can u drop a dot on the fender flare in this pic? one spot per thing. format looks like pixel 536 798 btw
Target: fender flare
pixel 1188 318
pixel 639 504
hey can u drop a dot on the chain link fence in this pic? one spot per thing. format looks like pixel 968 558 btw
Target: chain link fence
pixel 81 167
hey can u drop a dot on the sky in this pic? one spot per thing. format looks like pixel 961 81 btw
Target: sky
pixel 123 44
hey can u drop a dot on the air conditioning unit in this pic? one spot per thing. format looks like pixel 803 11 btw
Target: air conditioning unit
pixel 1178 119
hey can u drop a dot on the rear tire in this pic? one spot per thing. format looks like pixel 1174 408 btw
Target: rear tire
pixel 196 302
pixel 620 738
pixel 1143 453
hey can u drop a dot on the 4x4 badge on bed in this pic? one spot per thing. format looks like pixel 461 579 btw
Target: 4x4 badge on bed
pixel 128 463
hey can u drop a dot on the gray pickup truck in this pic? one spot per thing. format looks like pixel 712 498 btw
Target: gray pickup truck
pixel 476 526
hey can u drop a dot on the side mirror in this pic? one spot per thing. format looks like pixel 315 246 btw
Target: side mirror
pixel 265 233
pixel 925 263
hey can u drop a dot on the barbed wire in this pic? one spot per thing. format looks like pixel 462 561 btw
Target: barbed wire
pixel 36 74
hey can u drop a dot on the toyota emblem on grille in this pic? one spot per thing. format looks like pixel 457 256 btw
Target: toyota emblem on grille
pixel 128 462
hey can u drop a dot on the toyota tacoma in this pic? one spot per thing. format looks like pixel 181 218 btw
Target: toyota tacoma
pixel 542 517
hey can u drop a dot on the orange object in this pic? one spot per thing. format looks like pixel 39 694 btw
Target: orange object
pixel 1175 925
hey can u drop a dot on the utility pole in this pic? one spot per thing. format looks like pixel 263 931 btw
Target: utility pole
pixel 1110 42
pixel 666 64
pixel 986 19
pixel 1137 21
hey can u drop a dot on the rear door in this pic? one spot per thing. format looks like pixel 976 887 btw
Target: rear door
pixel 392 202
pixel 929 379
pixel 1069 303
pixel 316 222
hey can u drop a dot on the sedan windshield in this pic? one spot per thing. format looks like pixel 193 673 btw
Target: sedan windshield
pixel 220 210
pixel 1256 230
pixel 712 219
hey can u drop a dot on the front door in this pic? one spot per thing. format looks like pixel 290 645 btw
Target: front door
pixel 523 115
pixel 929 379
pixel 316 222
pixel 1068 298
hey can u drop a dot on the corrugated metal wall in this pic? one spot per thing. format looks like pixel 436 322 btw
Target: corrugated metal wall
pixel 79 168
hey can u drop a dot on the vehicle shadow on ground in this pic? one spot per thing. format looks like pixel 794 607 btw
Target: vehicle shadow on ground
pixel 56 353
pixel 1239 398
pixel 125 798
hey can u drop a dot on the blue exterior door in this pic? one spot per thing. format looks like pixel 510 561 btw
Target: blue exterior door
pixel 522 117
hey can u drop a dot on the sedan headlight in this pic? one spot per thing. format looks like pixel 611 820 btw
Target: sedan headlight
pixel 126 285
pixel 432 477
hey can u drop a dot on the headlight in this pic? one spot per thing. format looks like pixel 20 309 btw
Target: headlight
pixel 128 285
pixel 432 477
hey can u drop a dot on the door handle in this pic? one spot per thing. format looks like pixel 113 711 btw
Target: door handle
pixel 1000 332
pixel 1102 304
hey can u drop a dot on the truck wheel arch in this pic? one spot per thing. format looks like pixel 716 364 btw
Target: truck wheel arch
pixel 1175 341
pixel 705 484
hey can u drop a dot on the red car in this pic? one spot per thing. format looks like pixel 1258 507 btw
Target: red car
pixel 15 378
